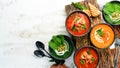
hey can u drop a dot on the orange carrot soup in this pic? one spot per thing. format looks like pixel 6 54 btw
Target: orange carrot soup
pixel 102 35
pixel 78 23
pixel 86 57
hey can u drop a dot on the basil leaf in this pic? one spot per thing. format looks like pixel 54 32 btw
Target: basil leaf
pixel 62 39
pixel 53 45
pixel 56 40
pixel 79 6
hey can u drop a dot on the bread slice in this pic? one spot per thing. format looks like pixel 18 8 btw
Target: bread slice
pixel 87 12
pixel 94 11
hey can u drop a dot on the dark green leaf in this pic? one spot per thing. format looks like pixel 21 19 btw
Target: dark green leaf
pixel 51 60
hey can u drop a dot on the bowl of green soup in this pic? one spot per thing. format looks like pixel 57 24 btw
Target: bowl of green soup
pixel 111 12
pixel 61 47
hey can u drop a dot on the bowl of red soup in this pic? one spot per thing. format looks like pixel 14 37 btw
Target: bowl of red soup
pixel 86 57
pixel 78 23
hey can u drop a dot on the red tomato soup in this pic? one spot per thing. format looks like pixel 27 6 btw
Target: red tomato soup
pixel 78 24
pixel 86 57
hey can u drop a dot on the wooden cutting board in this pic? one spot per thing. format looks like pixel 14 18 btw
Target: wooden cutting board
pixel 106 58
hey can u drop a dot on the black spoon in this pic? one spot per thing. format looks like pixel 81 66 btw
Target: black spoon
pixel 40 46
pixel 40 54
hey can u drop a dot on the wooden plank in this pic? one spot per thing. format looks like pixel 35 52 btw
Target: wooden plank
pixel 113 51
pixel 106 58
pixel 117 30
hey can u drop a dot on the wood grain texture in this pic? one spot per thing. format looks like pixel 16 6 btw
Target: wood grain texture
pixel 117 30
pixel 106 58
pixel 113 51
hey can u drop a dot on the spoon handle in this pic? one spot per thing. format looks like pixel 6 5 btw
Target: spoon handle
pixel 117 45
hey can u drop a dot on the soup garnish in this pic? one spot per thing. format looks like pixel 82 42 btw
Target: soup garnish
pixel 87 57
pixel 100 32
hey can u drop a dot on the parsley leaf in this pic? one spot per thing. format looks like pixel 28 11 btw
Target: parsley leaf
pixel 82 61
pixel 83 26
pixel 99 32
pixel 88 51
pixel 74 28
pixel 93 59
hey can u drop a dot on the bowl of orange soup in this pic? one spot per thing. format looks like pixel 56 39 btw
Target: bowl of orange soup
pixel 102 35
pixel 86 57
pixel 78 23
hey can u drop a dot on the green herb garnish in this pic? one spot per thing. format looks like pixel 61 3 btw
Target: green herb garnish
pixel 83 26
pixel 76 19
pixel 82 61
pixel 79 6
pixel 56 42
pixel 100 32
pixel 93 59
pixel 88 51
pixel 74 28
